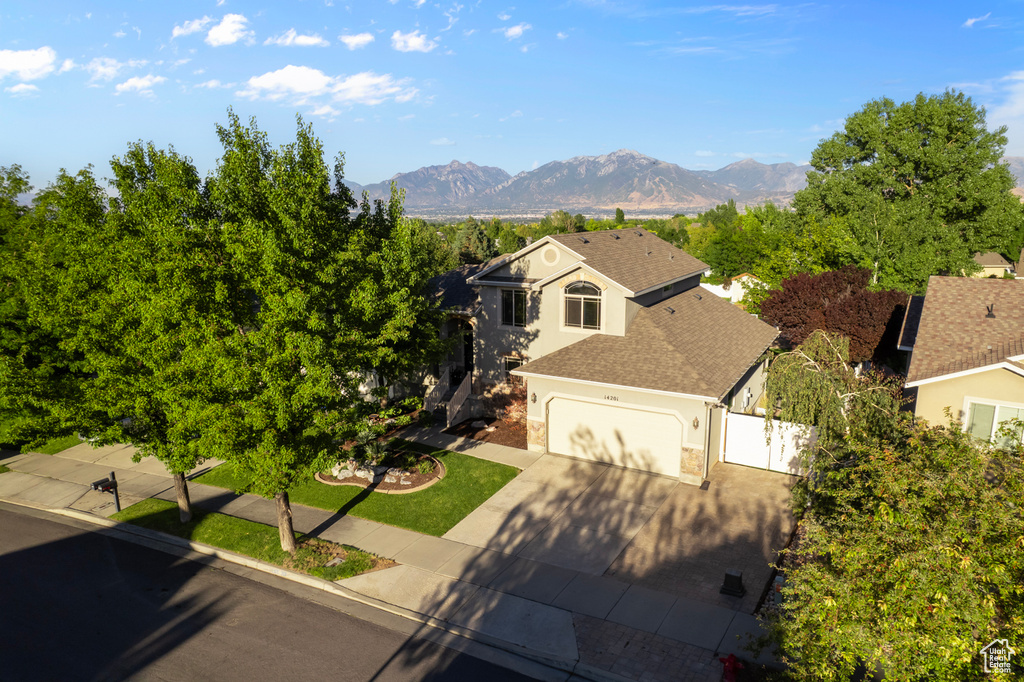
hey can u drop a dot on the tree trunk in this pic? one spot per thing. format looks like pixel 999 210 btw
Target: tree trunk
pixel 284 522
pixel 184 503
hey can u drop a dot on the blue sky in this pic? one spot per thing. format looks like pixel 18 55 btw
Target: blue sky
pixel 410 83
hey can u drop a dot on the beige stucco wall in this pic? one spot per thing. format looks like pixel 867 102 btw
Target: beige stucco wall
pixel 754 380
pixel 997 385
pixel 540 262
pixel 544 332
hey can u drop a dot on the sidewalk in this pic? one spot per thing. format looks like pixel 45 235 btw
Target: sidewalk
pixel 595 626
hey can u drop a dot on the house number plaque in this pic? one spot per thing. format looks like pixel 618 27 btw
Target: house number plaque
pixel 613 398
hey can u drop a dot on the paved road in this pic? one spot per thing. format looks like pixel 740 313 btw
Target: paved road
pixel 76 605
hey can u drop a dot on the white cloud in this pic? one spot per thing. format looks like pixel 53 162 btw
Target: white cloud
pixel 120 34
pixel 561 35
pixel 1010 112
pixel 703 152
pixel 442 142
pixel 514 114
pixel 325 110
pixel 142 85
pixel 513 32
pixel 107 68
pixel 22 90
pixel 971 22
pixel 213 84
pixel 354 42
pixel 67 65
pixel 229 31
pixel 407 117
pixel 535 166
pixel 413 41
pixel 27 65
pixel 291 38
pixel 190 27
pixel 301 84
pixel 469 32
pixel 504 16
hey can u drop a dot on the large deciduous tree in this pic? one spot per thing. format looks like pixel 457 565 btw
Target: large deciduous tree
pixel 331 298
pixel 921 184
pixel 838 302
pixel 910 557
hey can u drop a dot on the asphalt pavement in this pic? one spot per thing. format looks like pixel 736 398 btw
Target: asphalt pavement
pixel 79 605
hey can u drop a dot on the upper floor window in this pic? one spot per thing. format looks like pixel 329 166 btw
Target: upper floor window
pixel 582 306
pixel 513 307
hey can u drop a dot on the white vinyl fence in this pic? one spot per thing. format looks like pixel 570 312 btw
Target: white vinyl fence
pixel 745 443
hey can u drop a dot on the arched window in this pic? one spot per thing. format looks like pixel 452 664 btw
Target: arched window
pixel 582 306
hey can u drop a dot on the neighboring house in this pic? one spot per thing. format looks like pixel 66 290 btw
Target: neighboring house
pixel 992 264
pixel 734 289
pixel 626 358
pixel 967 352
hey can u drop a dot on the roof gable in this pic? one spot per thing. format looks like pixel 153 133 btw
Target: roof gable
pixel 967 323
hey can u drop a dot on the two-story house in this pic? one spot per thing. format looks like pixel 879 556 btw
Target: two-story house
pixel 626 359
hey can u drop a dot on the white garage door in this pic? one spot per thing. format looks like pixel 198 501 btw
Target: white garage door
pixel 625 436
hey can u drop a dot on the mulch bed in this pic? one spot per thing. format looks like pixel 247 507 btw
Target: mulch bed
pixel 503 433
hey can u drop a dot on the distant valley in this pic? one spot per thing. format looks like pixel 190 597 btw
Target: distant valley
pixel 595 186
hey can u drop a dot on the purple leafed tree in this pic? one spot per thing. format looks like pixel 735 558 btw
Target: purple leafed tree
pixel 837 302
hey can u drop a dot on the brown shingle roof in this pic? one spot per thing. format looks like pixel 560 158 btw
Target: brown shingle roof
pixel 955 333
pixel 911 322
pixel 703 347
pixel 991 259
pixel 632 257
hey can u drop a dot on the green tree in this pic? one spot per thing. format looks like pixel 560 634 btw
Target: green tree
pixel 921 184
pixel 721 216
pixel 620 216
pixel 170 296
pixel 909 558
pixel 53 262
pixel 913 565
pixel 287 375
pixel 473 244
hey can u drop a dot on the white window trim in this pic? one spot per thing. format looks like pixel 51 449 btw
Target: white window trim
pixel 968 400
pixel 601 310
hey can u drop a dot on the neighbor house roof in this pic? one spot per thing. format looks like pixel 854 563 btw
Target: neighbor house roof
pixel 911 321
pixel 968 324
pixel 694 343
pixel 991 259
pixel 457 295
pixel 633 257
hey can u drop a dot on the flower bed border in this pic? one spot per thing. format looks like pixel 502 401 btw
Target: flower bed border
pixel 363 483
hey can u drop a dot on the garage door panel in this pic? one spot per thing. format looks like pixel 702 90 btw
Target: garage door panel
pixel 623 436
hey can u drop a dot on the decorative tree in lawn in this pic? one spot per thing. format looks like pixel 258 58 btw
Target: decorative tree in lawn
pixel 838 302
pixel 330 298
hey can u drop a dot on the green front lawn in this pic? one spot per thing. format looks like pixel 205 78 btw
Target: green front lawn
pixel 255 540
pixel 467 484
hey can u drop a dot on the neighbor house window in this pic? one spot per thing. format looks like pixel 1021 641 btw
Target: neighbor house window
pixel 985 420
pixel 511 363
pixel 583 306
pixel 513 307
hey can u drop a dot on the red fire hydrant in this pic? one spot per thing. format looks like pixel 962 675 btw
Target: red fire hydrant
pixel 730 665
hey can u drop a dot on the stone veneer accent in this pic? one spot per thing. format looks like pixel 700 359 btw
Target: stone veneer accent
pixel 691 465
pixel 536 435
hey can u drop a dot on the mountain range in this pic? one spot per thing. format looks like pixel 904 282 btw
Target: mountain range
pixel 589 184
pixel 596 185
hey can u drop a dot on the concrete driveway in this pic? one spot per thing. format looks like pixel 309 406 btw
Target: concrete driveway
pixel 640 528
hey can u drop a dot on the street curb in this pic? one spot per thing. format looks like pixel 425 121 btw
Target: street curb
pixel 572 667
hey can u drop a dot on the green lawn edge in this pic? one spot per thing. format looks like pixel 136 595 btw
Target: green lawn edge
pixel 468 483
pixel 255 540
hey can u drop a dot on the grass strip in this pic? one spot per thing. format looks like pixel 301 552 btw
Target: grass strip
pixel 252 539
pixel 468 483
